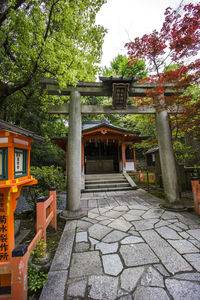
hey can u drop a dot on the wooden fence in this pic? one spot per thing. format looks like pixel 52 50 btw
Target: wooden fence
pixel 196 194
pixel 46 215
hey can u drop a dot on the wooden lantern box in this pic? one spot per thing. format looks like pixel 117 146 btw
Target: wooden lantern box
pixel 15 146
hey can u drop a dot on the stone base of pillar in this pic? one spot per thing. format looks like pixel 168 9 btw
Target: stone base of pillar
pixel 73 215
pixel 175 206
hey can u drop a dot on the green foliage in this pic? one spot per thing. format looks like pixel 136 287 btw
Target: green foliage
pixel 120 66
pixel 36 279
pixel 49 38
pixel 47 177
pixel 39 251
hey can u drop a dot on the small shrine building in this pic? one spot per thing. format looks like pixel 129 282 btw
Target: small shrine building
pixel 105 148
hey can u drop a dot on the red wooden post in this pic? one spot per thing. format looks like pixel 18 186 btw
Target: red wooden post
pixel 82 157
pixel 53 205
pixel 41 216
pixel 123 157
pixel 19 273
pixel 134 158
pixel 196 194
pixel 140 176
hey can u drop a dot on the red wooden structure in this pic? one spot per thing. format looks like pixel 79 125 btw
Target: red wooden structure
pixel 105 148
pixel 196 194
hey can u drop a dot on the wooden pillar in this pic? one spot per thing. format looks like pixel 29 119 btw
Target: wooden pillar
pixel 134 158
pixel 74 153
pixel 66 162
pixel 167 157
pixel 82 158
pixel 123 157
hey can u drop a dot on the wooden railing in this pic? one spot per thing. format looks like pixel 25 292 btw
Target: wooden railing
pixel 147 176
pixel 196 194
pixel 46 215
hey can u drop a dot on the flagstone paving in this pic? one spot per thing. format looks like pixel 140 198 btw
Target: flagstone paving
pixel 127 248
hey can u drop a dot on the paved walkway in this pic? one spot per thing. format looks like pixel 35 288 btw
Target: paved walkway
pixel 127 248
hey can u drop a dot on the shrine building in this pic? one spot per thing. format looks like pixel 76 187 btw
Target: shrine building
pixel 105 148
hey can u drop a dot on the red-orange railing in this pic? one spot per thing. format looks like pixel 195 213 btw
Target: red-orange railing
pixel 147 176
pixel 196 194
pixel 46 214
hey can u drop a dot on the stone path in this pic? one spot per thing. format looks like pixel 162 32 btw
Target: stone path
pixel 127 248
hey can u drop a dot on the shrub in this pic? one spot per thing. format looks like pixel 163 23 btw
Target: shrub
pixel 47 177
pixel 36 279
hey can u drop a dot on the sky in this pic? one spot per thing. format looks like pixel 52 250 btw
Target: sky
pixel 128 19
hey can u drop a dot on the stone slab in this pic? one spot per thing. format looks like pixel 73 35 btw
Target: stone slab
pixel 153 213
pixel 171 259
pixel 76 288
pixel 132 240
pixel 183 246
pixel 152 278
pixel 137 254
pixel 180 289
pixel 194 260
pixel 114 236
pixel 188 276
pixel 83 225
pixel 98 231
pixel 130 277
pixel 85 263
pixel 168 233
pixel 82 247
pixel 112 264
pixel 103 287
pixel 121 208
pixel 195 233
pixel 145 224
pixel 113 214
pixel 150 293
pixel 107 248
pixel 120 224
pixel 62 257
pixel 54 287
pixel 81 237
pixel 131 217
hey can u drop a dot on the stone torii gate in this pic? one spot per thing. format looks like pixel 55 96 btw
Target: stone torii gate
pixel 119 89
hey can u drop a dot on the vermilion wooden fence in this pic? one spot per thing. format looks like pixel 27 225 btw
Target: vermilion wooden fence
pixel 196 194
pixel 17 268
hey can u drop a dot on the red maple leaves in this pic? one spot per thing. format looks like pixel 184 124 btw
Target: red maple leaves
pixel 170 54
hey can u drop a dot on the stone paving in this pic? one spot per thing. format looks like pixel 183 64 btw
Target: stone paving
pixel 127 248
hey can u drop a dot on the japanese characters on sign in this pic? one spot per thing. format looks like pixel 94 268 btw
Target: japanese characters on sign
pixel 4 255
pixel 120 95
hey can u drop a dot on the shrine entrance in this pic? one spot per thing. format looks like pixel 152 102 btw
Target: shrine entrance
pixel 119 89
pixel 101 156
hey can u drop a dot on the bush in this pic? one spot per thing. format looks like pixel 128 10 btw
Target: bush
pixel 36 279
pixel 47 177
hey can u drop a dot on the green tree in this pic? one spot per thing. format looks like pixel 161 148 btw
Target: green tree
pixel 122 66
pixel 54 38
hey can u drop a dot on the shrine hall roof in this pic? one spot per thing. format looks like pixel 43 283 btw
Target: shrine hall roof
pixel 90 125
pixel 21 131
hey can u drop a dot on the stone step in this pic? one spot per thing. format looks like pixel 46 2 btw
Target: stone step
pixel 114 180
pixel 107 185
pixel 103 176
pixel 116 189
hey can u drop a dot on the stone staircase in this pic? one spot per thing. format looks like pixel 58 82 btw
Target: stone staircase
pixel 108 182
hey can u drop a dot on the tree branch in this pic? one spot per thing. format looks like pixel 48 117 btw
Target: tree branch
pixel 3 16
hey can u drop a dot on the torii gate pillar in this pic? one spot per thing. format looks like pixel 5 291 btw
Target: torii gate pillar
pixel 167 159
pixel 74 153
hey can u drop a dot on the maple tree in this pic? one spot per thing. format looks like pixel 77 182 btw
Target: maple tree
pixel 177 44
